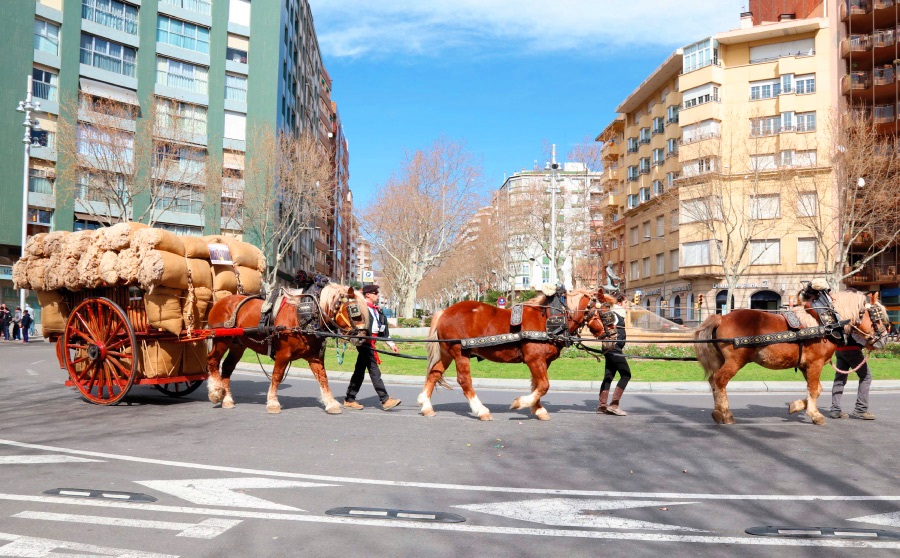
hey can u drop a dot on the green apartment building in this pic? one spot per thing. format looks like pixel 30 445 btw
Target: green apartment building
pixel 222 66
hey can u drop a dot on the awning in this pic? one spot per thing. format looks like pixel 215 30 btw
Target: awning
pixel 107 91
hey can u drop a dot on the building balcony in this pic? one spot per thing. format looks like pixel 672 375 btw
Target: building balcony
pixel 871 275
pixel 856 81
pixel 851 8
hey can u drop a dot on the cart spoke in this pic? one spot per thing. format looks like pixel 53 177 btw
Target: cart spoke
pixel 86 330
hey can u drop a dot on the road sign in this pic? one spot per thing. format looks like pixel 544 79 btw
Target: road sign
pixel 368 276
pixel 501 302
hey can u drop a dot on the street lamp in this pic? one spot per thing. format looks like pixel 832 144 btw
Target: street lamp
pixel 30 126
pixel 553 167
pixel 647 237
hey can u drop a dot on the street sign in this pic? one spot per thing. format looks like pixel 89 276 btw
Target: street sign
pixel 501 302
pixel 368 276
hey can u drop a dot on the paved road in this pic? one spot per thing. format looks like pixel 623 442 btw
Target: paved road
pixel 165 477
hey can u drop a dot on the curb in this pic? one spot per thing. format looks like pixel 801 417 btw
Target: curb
pixel 634 386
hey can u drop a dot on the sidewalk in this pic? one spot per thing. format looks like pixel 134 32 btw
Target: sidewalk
pixel 635 386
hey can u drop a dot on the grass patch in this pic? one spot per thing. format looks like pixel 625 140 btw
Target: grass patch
pixel 578 365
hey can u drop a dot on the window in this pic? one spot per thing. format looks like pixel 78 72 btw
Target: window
pixel 633 236
pixel 644 164
pixel 673 260
pixel 660 225
pixel 805 84
pixel 807 204
pixel 632 173
pixel 101 188
pixel 645 135
pixel 102 145
pixel 632 201
pixel 701 130
pixel 180 118
pixel 237 50
pixel 701 209
pixel 181 75
pixel 660 264
pixel 199 6
pixel 645 263
pixel 671 147
pixel 670 179
pixel 765 53
pixel 700 55
pixel 635 271
pixel 695 253
pixel 672 114
pixel 235 87
pixel 765 252
pixel 107 55
pixel 698 166
pixel 658 188
pixel 644 194
pixel 45 84
pixel 792 158
pixel 526 270
pixel 762 162
pixel 235 125
pixel 646 229
pixel 659 126
pixel 43 217
pixel 806 251
pixel 765 207
pixel 111 13
pixel 766 89
pixel 40 181
pixel 806 121
pixel 190 162
pixel 632 145
pixel 46 36
pixel 659 156
pixel 699 95
pixel 182 34
pixel 765 126
pixel 239 12
pixel 181 198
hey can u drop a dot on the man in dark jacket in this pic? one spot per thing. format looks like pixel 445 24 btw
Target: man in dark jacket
pixel 615 362
pixel 5 320
pixel 25 324
pixel 368 358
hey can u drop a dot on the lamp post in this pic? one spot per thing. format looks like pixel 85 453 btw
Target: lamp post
pixel 553 167
pixel 665 267
pixel 30 126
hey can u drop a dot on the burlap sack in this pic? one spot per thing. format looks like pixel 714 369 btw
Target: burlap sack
pixel 242 253
pixel 219 295
pixel 163 306
pixel 159 267
pixel 197 307
pixel 157 239
pixel 77 245
pixel 54 312
pixel 88 268
pixel 55 242
pixel 20 272
pixel 118 236
pixel 35 245
pixel 128 266
pixel 53 274
pixel 193 360
pixel 195 247
pixel 201 272
pixel 225 279
pixel 108 263
pixel 160 359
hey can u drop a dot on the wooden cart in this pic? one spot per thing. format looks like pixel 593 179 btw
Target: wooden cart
pixel 102 339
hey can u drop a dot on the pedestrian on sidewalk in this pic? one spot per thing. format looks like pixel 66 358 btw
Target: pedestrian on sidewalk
pixel 615 361
pixel 26 324
pixel 850 358
pixel 368 358
pixel 17 318
pixel 5 320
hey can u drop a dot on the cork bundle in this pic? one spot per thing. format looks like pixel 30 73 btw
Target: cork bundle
pixel 175 272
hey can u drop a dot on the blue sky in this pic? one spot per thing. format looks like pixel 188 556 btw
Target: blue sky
pixel 505 77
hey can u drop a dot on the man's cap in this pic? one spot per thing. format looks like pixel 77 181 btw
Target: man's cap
pixel 370 289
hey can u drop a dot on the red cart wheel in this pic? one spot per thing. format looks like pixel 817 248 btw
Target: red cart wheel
pixel 98 348
pixel 179 389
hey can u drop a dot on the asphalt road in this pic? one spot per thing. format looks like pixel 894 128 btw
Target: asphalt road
pixel 158 476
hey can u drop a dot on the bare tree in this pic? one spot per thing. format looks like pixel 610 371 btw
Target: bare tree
pixel 134 166
pixel 852 213
pixel 414 220
pixel 287 186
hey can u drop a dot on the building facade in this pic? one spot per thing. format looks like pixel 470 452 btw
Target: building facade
pixel 221 67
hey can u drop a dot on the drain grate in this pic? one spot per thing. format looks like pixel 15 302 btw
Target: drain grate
pixel 823 533
pixel 402 515
pixel 101 494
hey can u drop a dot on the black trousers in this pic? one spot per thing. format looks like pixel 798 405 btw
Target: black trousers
pixel 615 362
pixel 366 359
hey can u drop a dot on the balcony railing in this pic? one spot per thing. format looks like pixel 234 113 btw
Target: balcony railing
pixel 871 274
pixel 45 91
pixel 883 114
pixel 199 6
pixel 117 21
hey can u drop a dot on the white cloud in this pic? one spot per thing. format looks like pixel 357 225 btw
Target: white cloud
pixel 366 28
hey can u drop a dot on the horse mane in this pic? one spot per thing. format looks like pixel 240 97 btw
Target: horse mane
pixel 849 305
pixel 331 294
pixel 573 297
pixel 806 319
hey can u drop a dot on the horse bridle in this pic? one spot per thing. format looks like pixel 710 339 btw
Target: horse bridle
pixel 878 318
pixel 353 312
pixel 593 310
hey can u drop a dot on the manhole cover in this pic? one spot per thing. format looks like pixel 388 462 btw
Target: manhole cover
pixel 402 515
pixel 823 533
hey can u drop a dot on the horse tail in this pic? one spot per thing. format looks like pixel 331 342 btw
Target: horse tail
pixel 434 348
pixel 708 354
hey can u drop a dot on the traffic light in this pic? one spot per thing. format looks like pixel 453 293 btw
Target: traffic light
pixel 699 300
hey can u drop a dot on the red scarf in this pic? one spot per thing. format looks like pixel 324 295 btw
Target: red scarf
pixel 375 334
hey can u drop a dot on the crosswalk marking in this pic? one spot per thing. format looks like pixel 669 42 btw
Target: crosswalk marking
pixel 206 529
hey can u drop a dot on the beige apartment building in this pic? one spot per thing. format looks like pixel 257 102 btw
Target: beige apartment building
pixel 723 185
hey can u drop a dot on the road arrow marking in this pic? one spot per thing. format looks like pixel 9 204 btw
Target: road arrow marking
pixel 573 512
pixel 35 547
pixel 890 519
pixel 206 529
pixel 39 459
pixel 219 492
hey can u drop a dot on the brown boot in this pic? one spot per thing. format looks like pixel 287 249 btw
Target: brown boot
pixel 601 404
pixel 613 408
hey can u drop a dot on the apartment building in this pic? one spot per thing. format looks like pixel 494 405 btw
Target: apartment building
pixel 720 148
pixel 220 67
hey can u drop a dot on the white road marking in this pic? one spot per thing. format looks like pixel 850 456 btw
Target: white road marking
pixel 459 527
pixel 575 512
pixel 31 372
pixel 466 487
pixel 889 519
pixel 34 547
pixel 39 459
pixel 206 529
pixel 39 361
pixel 219 492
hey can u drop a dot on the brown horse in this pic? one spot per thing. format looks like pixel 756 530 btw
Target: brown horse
pixel 291 342
pixel 721 360
pixel 469 319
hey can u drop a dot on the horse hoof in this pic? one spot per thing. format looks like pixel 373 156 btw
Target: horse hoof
pixel 542 415
pixel 796 406
pixel 228 404
pixel 329 410
pixel 515 405
pixel 428 412
pixel 728 420
pixel 819 420
pixel 486 416
pixel 719 417
pixel 273 410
